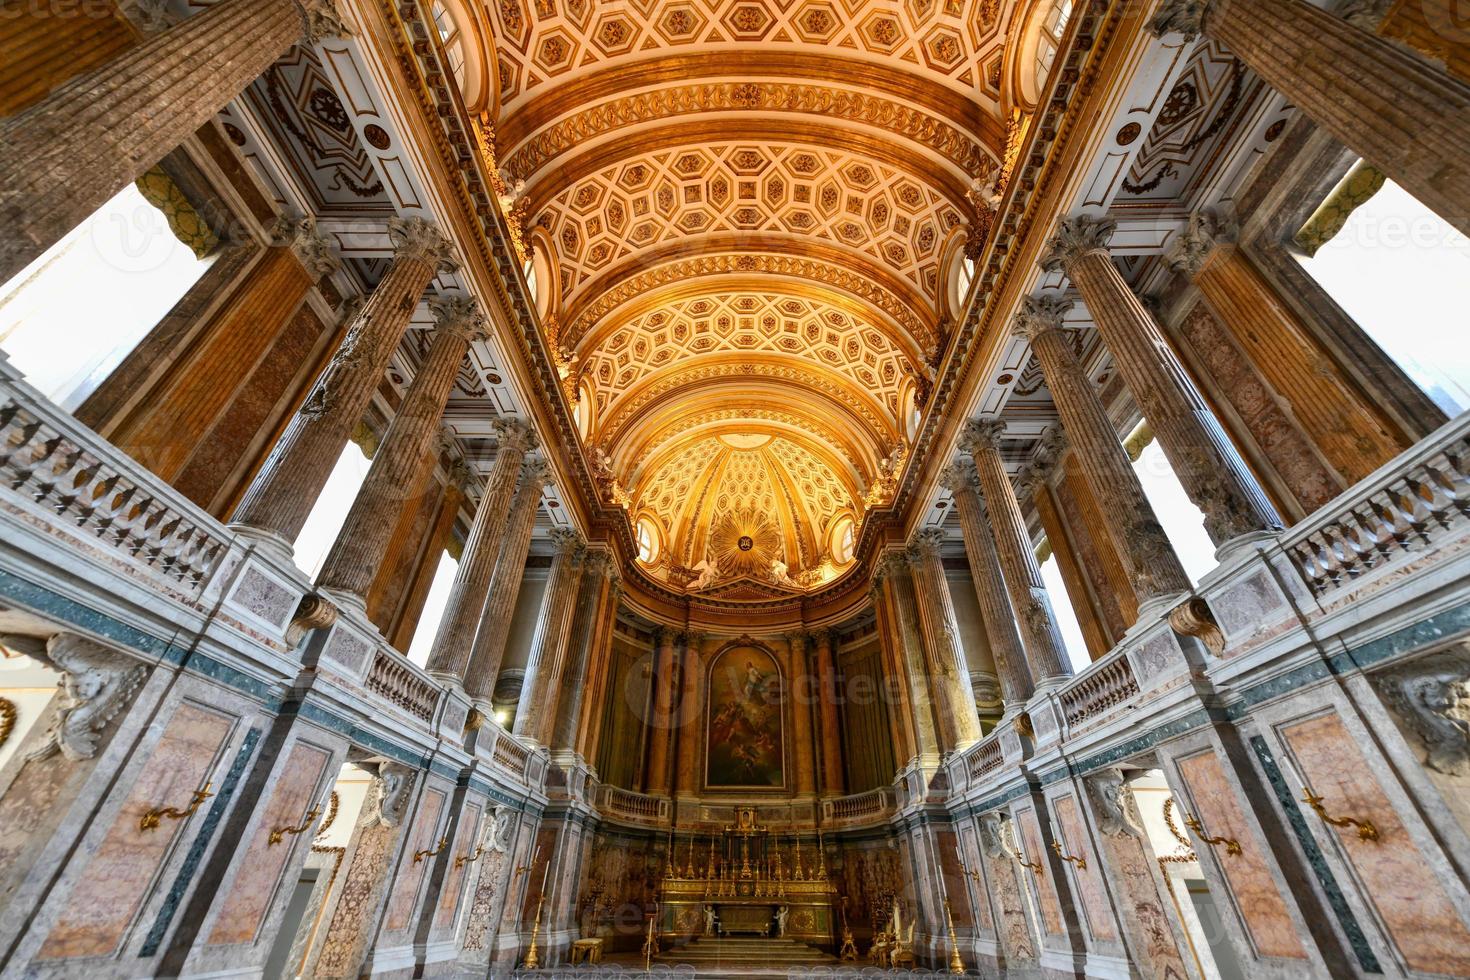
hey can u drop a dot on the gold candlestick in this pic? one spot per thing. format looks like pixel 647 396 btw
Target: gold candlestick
pixel 956 965
pixel 533 960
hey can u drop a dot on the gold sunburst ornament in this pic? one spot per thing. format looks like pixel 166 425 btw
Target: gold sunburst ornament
pixel 744 542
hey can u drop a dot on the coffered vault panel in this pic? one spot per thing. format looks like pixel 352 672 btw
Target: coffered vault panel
pixel 745 213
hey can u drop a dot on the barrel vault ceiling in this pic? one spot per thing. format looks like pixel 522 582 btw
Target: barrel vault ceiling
pixel 744 219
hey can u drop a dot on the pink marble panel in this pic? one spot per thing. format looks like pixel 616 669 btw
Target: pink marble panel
pixel 1264 911
pixel 1095 904
pixel 117 880
pixel 1015 932
pixel 983 920
pixel 1396 880
pixel 423 837
pixel 464 847
pixel 1051 909
pixel 261 862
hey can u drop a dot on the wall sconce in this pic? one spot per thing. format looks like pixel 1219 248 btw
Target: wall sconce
pixel 1366 829
pixel 465 859
pixel 151 819
pixel 1232 846
pixel 1081 862
pixel 420 855
pixel 280 833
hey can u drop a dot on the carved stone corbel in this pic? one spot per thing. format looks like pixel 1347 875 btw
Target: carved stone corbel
pixel 1431 697
pixel 1112 802
pixel 991 831
pixel 388 796
pixel 313 612
pixel 96 683
pixel 1193 617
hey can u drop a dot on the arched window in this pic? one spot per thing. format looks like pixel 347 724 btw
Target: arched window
pixel 584 409
pixel 909 411
pixel 842 539
pixel 529 271
pixel 648 541
pixel 451 38
pixel 1049 39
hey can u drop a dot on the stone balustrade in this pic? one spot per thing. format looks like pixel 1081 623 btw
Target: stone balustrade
pixel 860 808
pixel 985 757
pixel 1097 691
pixel 1398 511
pixel 637 807
pixel 401 683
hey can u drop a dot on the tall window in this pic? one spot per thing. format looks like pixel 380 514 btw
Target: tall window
pixel 450 38
pixel 647 541
pixel 1066 613
pixel 71 316
pixel 433 614
pixel 330 510
pixel 1403 274
pixel 1181 519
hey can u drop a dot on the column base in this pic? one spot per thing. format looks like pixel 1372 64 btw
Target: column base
pixel 1243 544
pixel 1157 608
pixel 272 542
pixel 347 600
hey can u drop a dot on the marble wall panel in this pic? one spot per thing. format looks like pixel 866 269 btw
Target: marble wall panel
pixel 1395 878
pixel 1253 889
pixel 1015 929
pixel 1073 838
pixel 467 836
pixel 123 871
pixel 1030 834
pixel 424 836
pixel 297 785
pixel 947 843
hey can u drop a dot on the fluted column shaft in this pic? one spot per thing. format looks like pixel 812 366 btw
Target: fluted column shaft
pixel 990 587
pixel 898 582
pixel 1039 633
pixel 895 673
pixel 1206 463
pixel 505 585
pixel 689 716
pixel 581 729
pixel 450 654
pixel 400 465
pixel 831 728
pixel 534 711
pixel 802 694
pixel 1401 113
pixel 597 583
pixel 282 495
pixel 959 720
pixel 660 725
pixel 68 154
pixel 1149 558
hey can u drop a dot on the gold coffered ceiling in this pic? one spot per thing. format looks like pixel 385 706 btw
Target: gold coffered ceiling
pixel 746 215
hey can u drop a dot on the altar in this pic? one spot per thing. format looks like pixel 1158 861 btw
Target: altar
pixel 745 881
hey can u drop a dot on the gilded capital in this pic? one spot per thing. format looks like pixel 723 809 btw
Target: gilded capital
pixel 566 540
pixel 1038 314
pixel 311 249
pixel 958 476
pixel 461 316
pixel 322 21
pixel 513 434
pixel 926 543
pixel 980 435
pixel 1186 17
pixel 415 238
pixel 1075 237
pixel 892 563
pixel 1205 232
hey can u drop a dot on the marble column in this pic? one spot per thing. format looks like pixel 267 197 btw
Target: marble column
pixel 401 463
pixel 549 641
pixel 1207 465
pixel 802 694
pixel 288 484
pixel 599 587
pixel 831 727
pixel 505 585
pixel 1040 636
pixel 450 654
pixel 949 673
pixel 1346 427
pixel 1016 686
pixel 656 780
pixel 1035 484
pixel 66 155
pixel 916 702
pixel 587 726
pixel 893 675
pixel 689 716
pixel 1149 558
pixel 1401 113
pixel 165 431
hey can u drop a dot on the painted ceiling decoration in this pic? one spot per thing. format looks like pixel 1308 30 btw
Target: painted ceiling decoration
pixel 744 220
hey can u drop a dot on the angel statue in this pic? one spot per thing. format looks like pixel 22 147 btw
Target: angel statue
pixel 780 574
pixel 707 574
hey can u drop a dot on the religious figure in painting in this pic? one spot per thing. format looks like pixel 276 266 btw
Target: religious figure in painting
pixel 745 720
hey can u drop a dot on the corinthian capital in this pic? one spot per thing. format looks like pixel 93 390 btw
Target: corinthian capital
pixel 1205 232
pixel 415 238
pixel 566 540
pixel 1038 314
pixel 980 435
pixel 1076 237
pixel 311 249
pixel 321 21
pixel 514 435
pixel 459 315
pixel 926 543
pixel 535 471
pixel 1185 17
pixel 958 476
